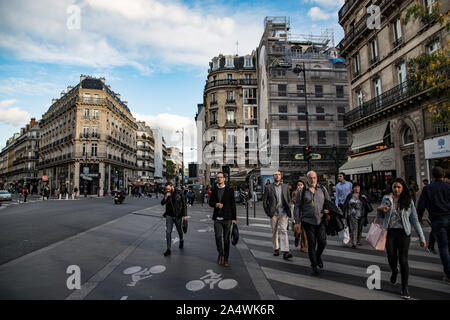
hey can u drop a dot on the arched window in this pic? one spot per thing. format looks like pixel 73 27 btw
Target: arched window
pixel 408 136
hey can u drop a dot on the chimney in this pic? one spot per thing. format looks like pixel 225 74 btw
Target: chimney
pixel 62 94
pixel 118 95
pixel 109 87
pixel 32 122
pixel 82 77
pixel 28 127
pixel 102 80
pixel 54 101
pixel 125 103
pixel 69 88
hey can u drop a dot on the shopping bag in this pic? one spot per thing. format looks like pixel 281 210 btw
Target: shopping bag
pixel 185 225
pixel 344 235
pixel 235 235
pixel 376 236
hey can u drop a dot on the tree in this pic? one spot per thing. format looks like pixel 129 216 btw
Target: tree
pixel 431 70
pixel 170 169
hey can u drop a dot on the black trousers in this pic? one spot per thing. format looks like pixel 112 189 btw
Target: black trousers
pixel 317 241
pixel 222 229
pixel 397 247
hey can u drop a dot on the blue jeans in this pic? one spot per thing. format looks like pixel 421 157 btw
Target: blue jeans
pixel 170 221
pixel 440 227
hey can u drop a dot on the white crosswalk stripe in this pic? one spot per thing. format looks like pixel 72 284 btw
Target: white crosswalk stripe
pixel 346 279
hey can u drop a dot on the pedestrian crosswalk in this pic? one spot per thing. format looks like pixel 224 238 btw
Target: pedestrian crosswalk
pixel 345 272
pixel 13 203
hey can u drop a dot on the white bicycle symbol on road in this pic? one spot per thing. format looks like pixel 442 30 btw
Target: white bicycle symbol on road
pixel 212 279
pixel 138 274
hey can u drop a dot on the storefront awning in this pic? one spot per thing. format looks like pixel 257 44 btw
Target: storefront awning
pixel 369 137
pixel 378 161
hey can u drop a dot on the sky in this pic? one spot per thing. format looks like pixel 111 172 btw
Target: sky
pixel 154 53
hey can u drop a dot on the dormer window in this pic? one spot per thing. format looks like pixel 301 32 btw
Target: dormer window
pixel 229 62
pixel 248 62
pixel 215 64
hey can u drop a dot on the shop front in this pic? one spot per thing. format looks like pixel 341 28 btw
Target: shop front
pixel 89 178
pixel 437 153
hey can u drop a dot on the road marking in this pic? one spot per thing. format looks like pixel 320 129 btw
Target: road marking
pixel 97 278
pixel 251 218
pixel 124 298
pixel 328 286
pixel 356 271
pixel 359 256
pixel 284 298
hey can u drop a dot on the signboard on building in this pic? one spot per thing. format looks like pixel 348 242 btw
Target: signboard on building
pixel 438 147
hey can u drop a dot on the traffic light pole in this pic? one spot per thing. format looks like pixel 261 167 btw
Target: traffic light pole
pixel 307 114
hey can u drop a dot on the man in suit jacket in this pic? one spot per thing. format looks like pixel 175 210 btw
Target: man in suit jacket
pixel 276 200
pixel 223 202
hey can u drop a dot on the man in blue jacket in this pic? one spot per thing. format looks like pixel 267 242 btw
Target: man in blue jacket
pixel 435 198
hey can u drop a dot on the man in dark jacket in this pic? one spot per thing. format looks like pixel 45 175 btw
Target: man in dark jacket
pixel 223 202
pixel 175 213
pixel 309 208
pixel 435 198
pixel 276 203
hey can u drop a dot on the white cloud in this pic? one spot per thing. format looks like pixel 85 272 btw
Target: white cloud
pixel 14 116
pixel 328 3
pixel 144 34
pixel 318 14
pixel 23 86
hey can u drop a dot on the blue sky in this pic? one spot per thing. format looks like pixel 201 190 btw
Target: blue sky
pixel 154 53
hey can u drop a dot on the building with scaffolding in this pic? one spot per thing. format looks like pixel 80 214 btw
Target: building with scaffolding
pixel 302 92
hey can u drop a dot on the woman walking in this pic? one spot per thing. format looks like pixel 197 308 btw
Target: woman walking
pixel 356 209
pixel 399 213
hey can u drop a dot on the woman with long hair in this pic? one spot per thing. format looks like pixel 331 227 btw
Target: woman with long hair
pixel 399 213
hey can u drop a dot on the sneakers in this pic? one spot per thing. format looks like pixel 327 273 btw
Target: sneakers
pixel 287 255
pixel 394 277
pixel 167 253
pixel 405 294
pixel 181 244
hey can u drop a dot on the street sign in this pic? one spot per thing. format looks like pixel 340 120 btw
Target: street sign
pixel 314 156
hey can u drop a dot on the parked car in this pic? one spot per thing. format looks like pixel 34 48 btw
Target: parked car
pixel 5 195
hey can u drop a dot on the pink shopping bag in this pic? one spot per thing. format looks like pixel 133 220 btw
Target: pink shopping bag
pixel 377 236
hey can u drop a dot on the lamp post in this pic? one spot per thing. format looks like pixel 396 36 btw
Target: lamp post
pixel 301 69
pixel 182 154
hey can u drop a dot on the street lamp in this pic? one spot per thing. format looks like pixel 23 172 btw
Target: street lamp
pixel 297 70
pixel 182 154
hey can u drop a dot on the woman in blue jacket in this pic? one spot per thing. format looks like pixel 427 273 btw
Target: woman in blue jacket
pixel 399 213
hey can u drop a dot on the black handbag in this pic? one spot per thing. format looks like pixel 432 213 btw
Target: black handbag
pixel 234 235
pixel 185 225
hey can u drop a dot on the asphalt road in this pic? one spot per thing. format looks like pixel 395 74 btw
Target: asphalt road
pixel 27 227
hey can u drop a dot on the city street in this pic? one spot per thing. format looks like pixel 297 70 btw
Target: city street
pixel 119 250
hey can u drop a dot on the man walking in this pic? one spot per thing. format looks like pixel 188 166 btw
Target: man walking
pixel 175 213
pixel 309 210
pixel 223 202
pixel 435 198
pixel 343 189
pixel 276 203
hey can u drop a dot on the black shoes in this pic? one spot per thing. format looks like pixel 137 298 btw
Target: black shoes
pixel 394 277
pixel 181 244
pixel 276 253
pixel 320 263
pixel 405 294
pixel 167 253
pixel 315 271
pixel 287 255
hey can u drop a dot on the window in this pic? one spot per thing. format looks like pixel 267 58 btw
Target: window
pixel 302 137
pixel 248 77
pixel 301 109
pixel 84 149
pixel 433 46
pixel 230 138
pixel 320 109
pixel 282 90
pixel 359 96
pixel 95 132
pixel 377 90
pixel 96 98
pixel 213 117
pixel 373 51
pixel 300 90
pixel 86 97
pixel 321 137
pixel 230 116
pixel 397 31
pixel 250 96
pixel 95 114
pixel 339 91
pixel 229 63
pixel 94 150
pixel 250 112
pixel 280 72
pixel 356 66
pixel 85 132
pixel 296 52
pixel 230 96
pixel 86 113
pixel 429 4
pixel 401 73
pixel 284 137
pixel 282 109
pixel 248 62
pixel 215 64
pixel 342 137
pixel 408 136
pixel 319 91
pixel 250 135
pixel 214 98
pixel 230 76
pixel 341 112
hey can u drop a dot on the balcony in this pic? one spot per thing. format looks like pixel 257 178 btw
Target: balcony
pixel 224 82
pixel 231 101
pixel 345 8
pixel 398 93
pixel 248 82
pixel 374 60
pixel 213 103
pixel 213 123
pixel 397 42
pixel 356 30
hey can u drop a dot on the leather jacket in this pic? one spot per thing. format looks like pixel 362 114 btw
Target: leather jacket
pixel 175 205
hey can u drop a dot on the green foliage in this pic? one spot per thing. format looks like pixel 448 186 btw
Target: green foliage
pixel 170 169
pixel 421 12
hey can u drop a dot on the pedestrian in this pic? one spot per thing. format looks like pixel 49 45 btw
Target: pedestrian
pixel 425 182
pixel 276 203
pixel 299 232
pixel 435 198
pixel 175 213
pixel 25 193
pixel 310 211
pixel 399 213
pixel 413 189
pixel 388 189
pixel 47 192
pixel 343 189
pixel 356 209
pixel 57 193
pixel 208 193
pixel 191 196
pixel 224 204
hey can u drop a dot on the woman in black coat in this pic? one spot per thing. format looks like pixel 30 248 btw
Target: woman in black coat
pixel 356 210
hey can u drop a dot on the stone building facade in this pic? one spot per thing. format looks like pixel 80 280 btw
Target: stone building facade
pixel 145 145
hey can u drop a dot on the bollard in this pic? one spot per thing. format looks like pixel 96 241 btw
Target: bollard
pixel 246 206
pixel 254 208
